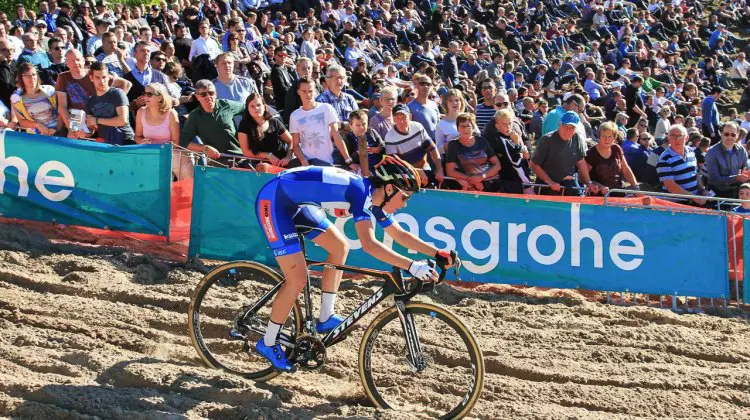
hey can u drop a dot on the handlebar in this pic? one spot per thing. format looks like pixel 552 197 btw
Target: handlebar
pixel 420 286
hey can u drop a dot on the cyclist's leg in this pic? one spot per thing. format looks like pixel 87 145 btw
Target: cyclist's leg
pixel 334 242
pixel 324 234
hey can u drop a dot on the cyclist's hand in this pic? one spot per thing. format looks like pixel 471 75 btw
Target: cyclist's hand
pixel 423 271
pixel 444 259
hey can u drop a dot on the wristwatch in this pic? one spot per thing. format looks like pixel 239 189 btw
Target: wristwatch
pixel 348 162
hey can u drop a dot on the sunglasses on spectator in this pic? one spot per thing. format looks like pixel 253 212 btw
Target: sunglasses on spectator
pixel 160 58
pixel 151 94
pixel 499 104
pixel 206 93
pixel 425 83
pixel 730 134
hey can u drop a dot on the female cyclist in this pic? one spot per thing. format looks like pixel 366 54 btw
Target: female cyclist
pixel 297 197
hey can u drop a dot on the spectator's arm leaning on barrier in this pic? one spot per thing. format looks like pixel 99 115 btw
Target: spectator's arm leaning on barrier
pixel 541 154
pixel 62 98
pixel 341 146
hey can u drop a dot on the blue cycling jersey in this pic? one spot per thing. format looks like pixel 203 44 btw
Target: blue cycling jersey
pixel 296 196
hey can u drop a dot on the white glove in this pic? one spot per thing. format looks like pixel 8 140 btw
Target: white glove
pixel 423 271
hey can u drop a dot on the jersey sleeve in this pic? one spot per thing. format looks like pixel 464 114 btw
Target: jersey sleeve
pixel 384 219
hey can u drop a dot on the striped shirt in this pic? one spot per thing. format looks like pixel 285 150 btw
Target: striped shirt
pixel 682 170
pixel 484 114
pixel 411 147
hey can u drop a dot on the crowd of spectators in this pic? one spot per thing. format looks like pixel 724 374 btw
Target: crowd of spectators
pixel 525 97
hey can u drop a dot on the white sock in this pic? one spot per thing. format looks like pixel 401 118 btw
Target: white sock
pixel 272 331
pixel 327 301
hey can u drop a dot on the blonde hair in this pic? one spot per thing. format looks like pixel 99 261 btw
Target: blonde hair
pixel 610 127
pixel 458 94
pixel 390 90
pixel 165 101
pixel 506 113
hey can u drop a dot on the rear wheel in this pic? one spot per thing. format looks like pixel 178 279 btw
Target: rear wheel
pixel 446 379
pixel 221 326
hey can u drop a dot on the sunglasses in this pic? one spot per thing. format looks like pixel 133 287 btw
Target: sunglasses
pixel 730 134
pixel 159 58
pixel 425 84
pixel 206 93
pixel 499 104
pixel 404 196
pixel 151 94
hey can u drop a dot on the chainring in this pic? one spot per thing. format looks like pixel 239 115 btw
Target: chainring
pixel 310 352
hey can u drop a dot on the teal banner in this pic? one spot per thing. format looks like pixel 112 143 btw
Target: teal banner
pixel 72 182
pixel 501 239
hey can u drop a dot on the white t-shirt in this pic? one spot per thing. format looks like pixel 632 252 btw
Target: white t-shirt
pixel 739 69
pixel 314 131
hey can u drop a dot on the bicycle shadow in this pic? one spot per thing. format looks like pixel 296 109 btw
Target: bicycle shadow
pixel 150 388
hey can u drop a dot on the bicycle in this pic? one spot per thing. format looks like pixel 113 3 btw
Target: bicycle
pixel 440 371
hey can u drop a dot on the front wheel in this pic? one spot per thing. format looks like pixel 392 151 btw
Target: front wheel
pixel 445 380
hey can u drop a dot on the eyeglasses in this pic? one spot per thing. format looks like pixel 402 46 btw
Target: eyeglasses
pixel 488 87
pixel 425 83
pixel 206 93
pixel 57 48
pixel 404 196
pixel 151 94
pixel 159 58
pixel 730 134
pixel 501 104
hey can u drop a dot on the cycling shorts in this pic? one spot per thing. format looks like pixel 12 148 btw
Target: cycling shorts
pixel 279 217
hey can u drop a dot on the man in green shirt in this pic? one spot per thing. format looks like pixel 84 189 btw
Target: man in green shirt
pixel 212 123
pixel 649 83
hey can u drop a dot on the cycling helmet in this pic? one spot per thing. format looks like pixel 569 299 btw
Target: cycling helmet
pixel 394 170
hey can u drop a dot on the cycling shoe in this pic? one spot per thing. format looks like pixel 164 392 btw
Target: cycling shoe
pixel 275 355
pixel 329 325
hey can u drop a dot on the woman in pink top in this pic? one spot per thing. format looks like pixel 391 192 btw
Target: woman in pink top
pixel 157 123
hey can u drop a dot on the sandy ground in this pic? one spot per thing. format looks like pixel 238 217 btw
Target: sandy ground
pixel 100 332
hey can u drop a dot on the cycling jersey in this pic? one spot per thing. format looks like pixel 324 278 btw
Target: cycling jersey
pixel 297 196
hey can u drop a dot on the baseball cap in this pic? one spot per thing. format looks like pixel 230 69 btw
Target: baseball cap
pixel 401 108
pixel 570 118
pixel 40 23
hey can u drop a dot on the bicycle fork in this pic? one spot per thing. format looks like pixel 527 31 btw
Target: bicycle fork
pixel 415 357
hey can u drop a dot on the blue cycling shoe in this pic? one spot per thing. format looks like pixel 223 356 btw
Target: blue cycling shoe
pixel 329 325
pixel 275 355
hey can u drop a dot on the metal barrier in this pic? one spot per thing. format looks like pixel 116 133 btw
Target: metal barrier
pixel 720 201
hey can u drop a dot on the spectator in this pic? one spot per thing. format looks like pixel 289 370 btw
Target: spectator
pixel 229 86
pixel 113 56
pixel 446 131
pixel 635 107
pixel 34 105
pixel 423 109
pixel 204 44
pixel 157 123
pixel 557 157
pixel 282 77
pixel 315 130
pixel 32 52
pixel 95 42
pixel 242 57
pixel 470 160
pixel 726 163
pixel 107 109
pixel 574 103
pixel 74 87
pixel 512 153
pixel 677 167
pixel 368 145
pixel 141 74
pixel 182 45
pixel 710 115
pixel 744 194
pixel 537 119
pixel 57 62
pixel 263 137
pixel 450 65
pixel 485 111
pixel 210 128
pixel 292 101
pixel 382 122
pixel 606 163
pixel 739 70
pixel 409 140
pixel 7 71
pixel 342 102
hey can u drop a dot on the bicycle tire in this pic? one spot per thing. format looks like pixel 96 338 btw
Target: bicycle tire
pixel 388 388
pixel 211 306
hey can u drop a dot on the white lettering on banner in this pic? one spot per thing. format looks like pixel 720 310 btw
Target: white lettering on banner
pixel 493 230
pixel 626 249
pixel 43 177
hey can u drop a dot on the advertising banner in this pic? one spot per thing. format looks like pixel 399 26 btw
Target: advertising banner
pixel 502 239
pixel 72 182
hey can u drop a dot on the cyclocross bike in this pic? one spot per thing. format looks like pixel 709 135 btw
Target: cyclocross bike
pixel 413 356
